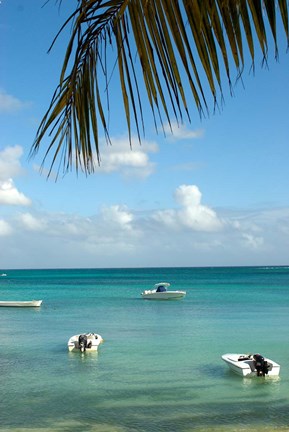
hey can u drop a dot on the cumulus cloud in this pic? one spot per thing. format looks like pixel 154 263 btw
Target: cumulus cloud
pixel 192 214
pixel 119 157
pixel 9 195
pixel 9 103
pixel 10 165
pixel 5 228
pixel 58 239
pixel 181 132
pixel 117 215
pixel 111 222
pixel 191 234
pixel 31 222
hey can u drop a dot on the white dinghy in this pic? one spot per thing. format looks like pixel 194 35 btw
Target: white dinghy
pixel 160 292
pixel 13 303
pixel 85 342
pixel 249 365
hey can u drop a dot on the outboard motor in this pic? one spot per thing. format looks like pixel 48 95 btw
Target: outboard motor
pixel 82 342
pixel 261 365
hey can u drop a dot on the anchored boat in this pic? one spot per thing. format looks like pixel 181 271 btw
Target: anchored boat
pixel 85 342
pixel 249 365
pixel 161 292
pixel 30 303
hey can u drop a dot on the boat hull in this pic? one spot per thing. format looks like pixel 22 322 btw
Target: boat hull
pixel 93 342
pixel 31 303
pixel 168 295
pixel 246 368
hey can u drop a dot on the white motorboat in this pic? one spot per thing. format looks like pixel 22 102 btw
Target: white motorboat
pixel 13 303
pixel 85 342
pixel 160 292
pixel 249 365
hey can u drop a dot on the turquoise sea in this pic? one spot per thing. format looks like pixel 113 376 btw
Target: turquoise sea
pixel 160 367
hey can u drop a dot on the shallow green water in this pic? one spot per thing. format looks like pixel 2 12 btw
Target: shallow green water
pixel 160 366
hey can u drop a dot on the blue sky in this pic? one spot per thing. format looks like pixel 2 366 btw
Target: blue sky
pixel 216 192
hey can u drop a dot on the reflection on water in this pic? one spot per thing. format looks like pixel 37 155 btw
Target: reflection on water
pixel 273 381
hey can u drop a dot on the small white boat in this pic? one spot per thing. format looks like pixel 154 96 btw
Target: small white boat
pixel 13 303
pixel 85 342
pixel 249 365
pixel 160 292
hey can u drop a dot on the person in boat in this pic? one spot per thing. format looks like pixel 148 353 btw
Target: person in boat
pixel 82 342
pixel 261 365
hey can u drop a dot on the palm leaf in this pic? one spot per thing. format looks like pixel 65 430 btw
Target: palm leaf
pixel 161 46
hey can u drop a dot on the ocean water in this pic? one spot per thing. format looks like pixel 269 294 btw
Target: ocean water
pixel 159 368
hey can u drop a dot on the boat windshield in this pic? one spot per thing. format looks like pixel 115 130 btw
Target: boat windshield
pixel 161 288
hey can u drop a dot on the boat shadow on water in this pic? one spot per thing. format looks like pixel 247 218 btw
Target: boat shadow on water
pixel 212 371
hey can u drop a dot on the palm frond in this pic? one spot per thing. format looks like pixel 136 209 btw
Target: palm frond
pixel 180 48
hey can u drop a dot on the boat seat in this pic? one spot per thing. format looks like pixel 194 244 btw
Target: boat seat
pixel 242 358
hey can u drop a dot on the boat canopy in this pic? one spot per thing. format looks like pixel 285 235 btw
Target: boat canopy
pixel 162 286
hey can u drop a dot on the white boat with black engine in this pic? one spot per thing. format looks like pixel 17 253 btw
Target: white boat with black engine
pixel 250 365
pixel 13 303
pixel 84 342
pixel 161 292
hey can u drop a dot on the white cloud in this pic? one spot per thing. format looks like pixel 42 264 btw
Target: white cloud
pixel 181 132
pixel 192 213
pixel 10 165
pixel 9 195
pixel 117 215
pixel 31 222
pixel 119 157
pixel 5 228
pixel 252 241
pixel 192 234
pixel 9 103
